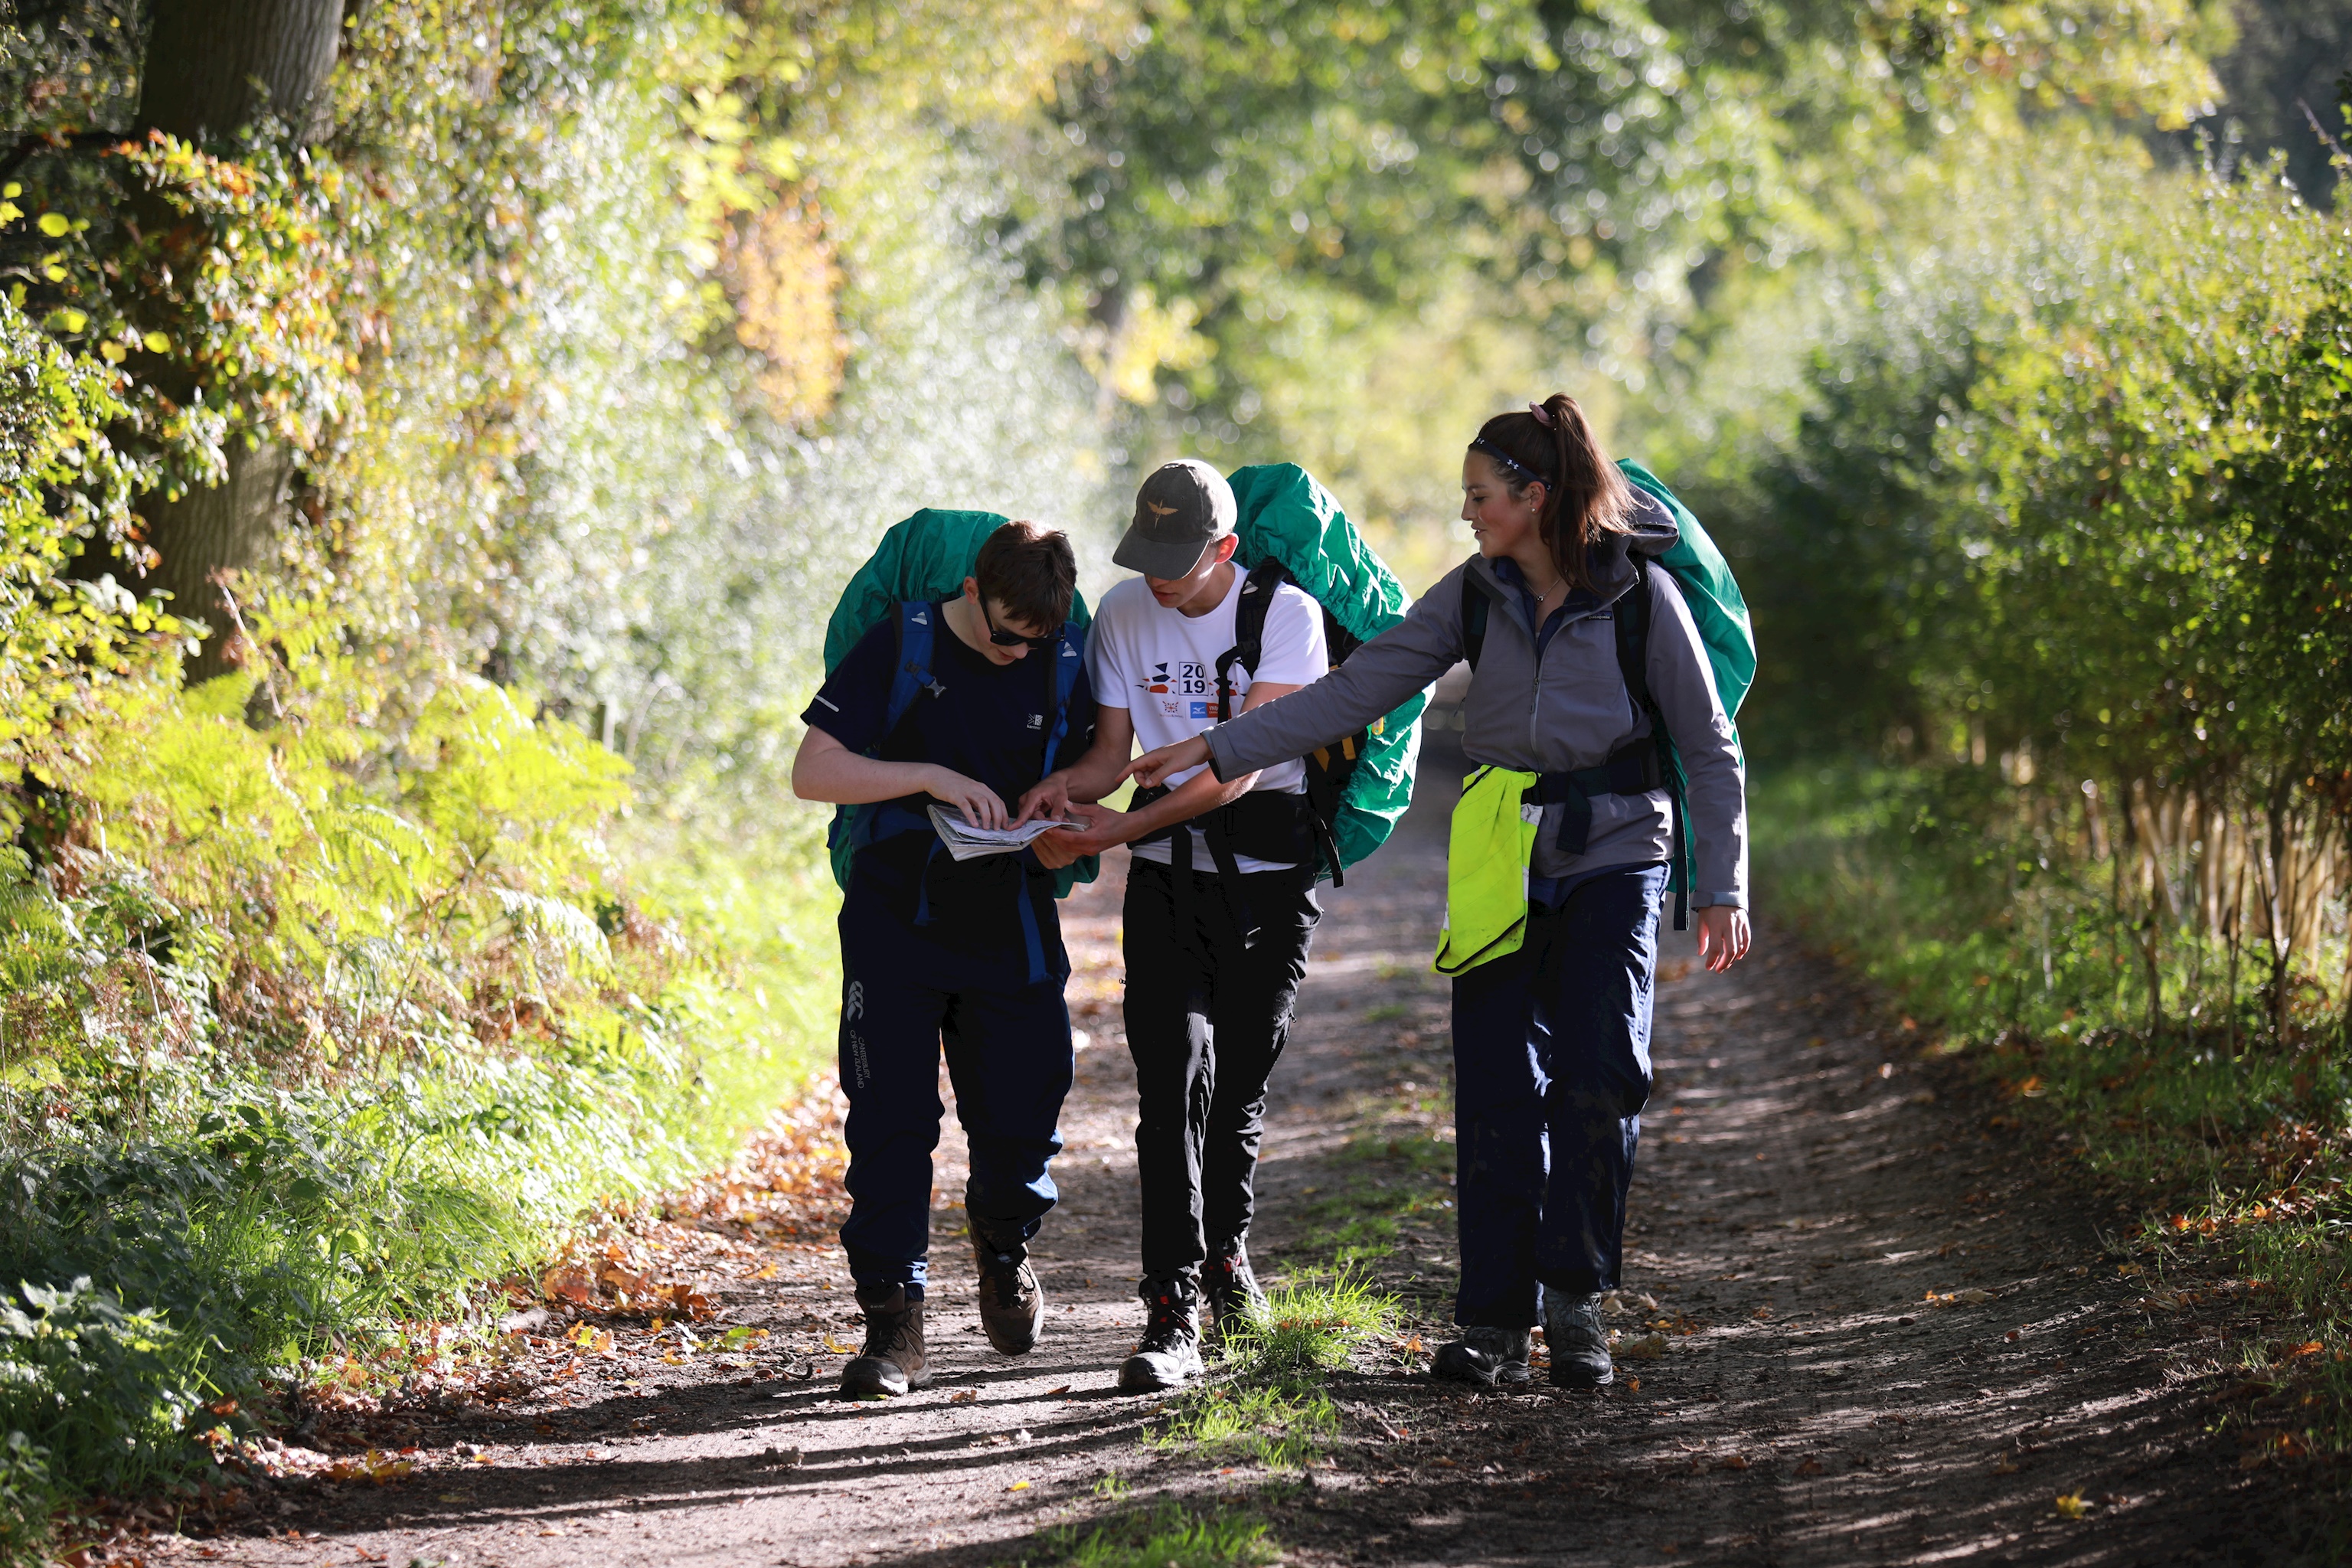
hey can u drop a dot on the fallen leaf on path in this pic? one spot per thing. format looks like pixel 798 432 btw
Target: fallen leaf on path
pixel 965 1396
pixel 570 1283
pixel 1055 1393
pixel 1732 1462
pixel 1810 1465
pixel 767 1273
pixel 835 1346
pixel 2005 1466
pixel 1018 1487
pixel 1633 1385
pixel 1649 1347
pixel 2071 1505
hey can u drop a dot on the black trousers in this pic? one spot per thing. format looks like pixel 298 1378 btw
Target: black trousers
pixel 1206 1021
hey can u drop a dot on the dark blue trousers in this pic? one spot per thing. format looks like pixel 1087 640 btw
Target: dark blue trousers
pixel 1551 1068
pixel 905 995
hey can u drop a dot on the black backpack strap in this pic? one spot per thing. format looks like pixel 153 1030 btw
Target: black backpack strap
pixel 1633 616
pixel 1634 662
pixel 1249 630
pixel 1475 608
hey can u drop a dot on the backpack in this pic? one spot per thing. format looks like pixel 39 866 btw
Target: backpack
pixel 1292 530
pixel 1720 613
pixel 919 560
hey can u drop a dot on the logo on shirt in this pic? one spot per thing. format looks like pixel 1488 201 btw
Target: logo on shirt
pixel 1203 709
pixel 1036 720
pixel 1190 676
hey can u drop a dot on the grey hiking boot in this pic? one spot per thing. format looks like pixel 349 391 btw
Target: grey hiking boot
pixel 1487 1357
pixel 1230 1290
pixel 892 1360
pixel 1578 1341
pixel 1170 1355
pixel 1011 1302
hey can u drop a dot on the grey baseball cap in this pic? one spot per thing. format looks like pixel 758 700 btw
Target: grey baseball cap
pixel 1183 509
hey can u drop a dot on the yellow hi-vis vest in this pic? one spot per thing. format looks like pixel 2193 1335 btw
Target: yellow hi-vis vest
pixel 1494 838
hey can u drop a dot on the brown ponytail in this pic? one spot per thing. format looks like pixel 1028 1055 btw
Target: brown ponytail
pixel 1585 496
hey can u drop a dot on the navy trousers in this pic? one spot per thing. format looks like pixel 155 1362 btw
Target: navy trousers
pixel 905 995
pixel 1551 1068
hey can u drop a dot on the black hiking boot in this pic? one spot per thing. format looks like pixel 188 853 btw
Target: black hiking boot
pixel 1487 1357
pixel 892 1360
pixel 1011 1302
pixel 1231 1292
pixel 1577 1339
pixel 1170 1355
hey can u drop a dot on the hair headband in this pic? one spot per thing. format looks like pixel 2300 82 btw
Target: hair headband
pixel 1480 444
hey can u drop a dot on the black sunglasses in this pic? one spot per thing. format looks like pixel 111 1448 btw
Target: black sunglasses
pixel 1014 639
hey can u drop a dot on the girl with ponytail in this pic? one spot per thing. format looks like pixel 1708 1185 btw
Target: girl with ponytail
pixel 1583 659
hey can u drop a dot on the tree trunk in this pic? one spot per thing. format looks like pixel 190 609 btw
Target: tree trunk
pixel 228 527
pixel 213 66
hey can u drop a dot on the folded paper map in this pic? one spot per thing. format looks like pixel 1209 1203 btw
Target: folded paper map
pixel 964 841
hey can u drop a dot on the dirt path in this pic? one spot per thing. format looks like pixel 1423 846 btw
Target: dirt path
pixel 1806 1185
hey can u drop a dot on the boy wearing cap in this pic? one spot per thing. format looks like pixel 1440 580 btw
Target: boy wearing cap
pixel 1220 894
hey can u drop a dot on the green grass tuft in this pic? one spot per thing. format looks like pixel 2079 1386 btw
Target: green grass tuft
pixel 1272 1407
pixel 1169 1536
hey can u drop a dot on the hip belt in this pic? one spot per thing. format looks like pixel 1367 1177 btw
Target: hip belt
pixel 1263 825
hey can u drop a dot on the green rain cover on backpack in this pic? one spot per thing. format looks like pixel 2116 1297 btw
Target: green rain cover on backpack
pixel 1284 515
pixel 927 556
pixel 1715 603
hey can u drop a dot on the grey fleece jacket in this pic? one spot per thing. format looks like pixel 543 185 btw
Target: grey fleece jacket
pixel 1570 712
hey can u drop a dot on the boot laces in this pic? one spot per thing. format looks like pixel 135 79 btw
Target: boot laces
pixel 1003 1274
pixel 1170 1323
pixel 886 1333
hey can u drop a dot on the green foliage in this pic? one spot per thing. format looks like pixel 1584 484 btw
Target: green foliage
pixel 2069 498
pixel 1599 173
pixel 27 1498
pixel 61 640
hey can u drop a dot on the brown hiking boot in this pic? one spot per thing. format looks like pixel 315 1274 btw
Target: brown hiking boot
pixel 1011 1302
pixel 892 1360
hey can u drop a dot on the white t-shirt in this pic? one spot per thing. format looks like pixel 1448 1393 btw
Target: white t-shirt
pixel 1161 665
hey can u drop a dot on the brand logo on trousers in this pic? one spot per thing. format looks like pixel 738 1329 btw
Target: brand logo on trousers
pixel 854 1004
pixel 859 1073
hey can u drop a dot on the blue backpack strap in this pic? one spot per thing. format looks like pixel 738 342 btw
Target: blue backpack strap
pixel 909 680
pixel 913 676
pixel 1070 660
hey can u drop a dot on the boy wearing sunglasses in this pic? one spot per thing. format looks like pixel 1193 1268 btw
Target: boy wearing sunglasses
pixel 938 951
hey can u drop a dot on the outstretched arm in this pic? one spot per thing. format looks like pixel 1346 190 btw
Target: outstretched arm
pixel 1203 791
pixel 1375 680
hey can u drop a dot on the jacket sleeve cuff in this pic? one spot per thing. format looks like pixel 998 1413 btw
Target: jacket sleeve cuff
pixel 1711 900
pixel 1216 758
